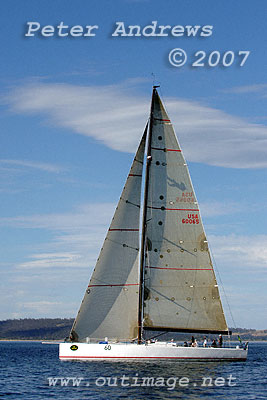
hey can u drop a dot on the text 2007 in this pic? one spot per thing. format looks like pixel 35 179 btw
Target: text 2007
pixel 217 58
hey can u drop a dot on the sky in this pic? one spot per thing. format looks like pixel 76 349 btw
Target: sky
pixel 72 111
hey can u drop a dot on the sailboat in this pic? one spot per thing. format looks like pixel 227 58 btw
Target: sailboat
pixel 154 273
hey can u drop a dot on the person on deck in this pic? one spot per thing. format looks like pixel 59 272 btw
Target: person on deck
pixel 205 343
pixel 220 341
pixel 214 343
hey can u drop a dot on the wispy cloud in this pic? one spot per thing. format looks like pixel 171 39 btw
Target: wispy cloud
pixel 116 118
pixel 93 215
pixel 257 88
pixel 32 165
pixel 241 251
pixel 75 237
pixel 215 208
pixel 55 260
pixel 42 308
pixel 40 304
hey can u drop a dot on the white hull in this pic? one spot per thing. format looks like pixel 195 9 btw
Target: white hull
pixel 146 352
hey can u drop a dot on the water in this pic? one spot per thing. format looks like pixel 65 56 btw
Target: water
pixel 27 366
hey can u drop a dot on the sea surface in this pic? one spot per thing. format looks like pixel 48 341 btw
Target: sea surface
pixel 31 370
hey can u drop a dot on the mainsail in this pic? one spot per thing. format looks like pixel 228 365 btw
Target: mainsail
pixel 180 288
pixel 110 304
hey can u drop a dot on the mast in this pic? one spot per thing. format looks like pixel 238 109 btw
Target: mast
pixel 143 240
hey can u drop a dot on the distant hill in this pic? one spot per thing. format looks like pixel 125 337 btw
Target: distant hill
pixel 249 334
pixel 36 329
pixel 59 328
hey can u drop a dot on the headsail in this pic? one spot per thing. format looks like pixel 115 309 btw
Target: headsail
pixel 110 304
pixel 181 292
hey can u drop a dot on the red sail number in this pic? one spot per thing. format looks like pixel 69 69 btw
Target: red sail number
pixel 191 219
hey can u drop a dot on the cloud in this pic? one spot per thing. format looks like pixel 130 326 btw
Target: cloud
pixel 116 117
pixel 257 88
pixel 52 260
pixel 42 308
pixel 41 304
pixel 75 237
pixel 33 165
pixel 215 208
pixel 18 175
pixel 240 251
pixel 92 216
